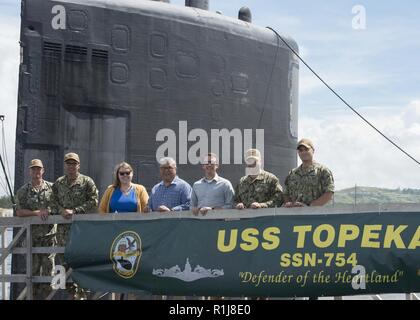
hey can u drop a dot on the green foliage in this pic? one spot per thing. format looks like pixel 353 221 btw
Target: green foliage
pixel 372 195
pixel 5 202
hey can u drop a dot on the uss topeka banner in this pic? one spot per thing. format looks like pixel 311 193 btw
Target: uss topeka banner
pixel 268 253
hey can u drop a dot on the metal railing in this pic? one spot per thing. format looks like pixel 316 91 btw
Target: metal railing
pixel 23 225
pixel 3 243
pixel 3 231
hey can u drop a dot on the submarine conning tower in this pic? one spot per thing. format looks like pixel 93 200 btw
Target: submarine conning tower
pixel 103 78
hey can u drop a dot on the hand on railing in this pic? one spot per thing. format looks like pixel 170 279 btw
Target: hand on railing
pixel 67 213
pixel 43 214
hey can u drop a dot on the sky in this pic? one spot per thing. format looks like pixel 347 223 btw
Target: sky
pixel 375 69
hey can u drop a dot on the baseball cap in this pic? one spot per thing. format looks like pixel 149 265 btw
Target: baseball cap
pixel 252 154
pixel 306 143
pixel 72 156
pixel 36 163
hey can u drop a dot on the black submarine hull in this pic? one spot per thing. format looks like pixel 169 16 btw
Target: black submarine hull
pixel 102 78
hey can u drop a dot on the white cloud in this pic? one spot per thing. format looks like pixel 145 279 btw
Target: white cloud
pixel 346 75
pixel 358 155
pixel 344 57
pixel 411 115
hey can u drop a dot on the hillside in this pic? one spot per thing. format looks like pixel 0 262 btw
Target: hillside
pixel 5 202
pixel 364 195
pixel 372 195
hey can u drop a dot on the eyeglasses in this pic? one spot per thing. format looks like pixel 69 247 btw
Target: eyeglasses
pixel 251 165
pixel 210 163
pixel 71 163
pixel 126 173
pixel 167 168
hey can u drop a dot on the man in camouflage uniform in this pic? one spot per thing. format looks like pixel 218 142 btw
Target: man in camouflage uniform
pixel 310 184
pixel 33 199
pixel 258 188
pixel 73 193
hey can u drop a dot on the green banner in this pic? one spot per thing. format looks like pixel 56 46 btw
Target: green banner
pixel 276 256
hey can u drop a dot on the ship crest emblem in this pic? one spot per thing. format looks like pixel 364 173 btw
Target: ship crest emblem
pixel 125 254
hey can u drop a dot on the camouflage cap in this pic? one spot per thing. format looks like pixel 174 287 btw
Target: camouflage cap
pixel 72 156
pixel 252 154
pixel 36 163
pixel 306 143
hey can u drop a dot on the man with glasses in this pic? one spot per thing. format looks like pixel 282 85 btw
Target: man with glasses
pixel 310 184
pixel 212 191
pixel 258 188
pixel 34 200
pixel 73 193
pixel 172 193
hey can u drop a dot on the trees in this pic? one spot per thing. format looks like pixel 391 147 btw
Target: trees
pixel 5 202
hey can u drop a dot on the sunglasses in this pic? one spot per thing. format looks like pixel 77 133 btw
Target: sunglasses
pixel 126 173
pixel 70 163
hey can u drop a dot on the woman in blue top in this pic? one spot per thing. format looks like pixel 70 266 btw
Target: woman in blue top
pixel 123 195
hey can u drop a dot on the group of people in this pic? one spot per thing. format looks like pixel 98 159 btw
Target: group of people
pixel 310 184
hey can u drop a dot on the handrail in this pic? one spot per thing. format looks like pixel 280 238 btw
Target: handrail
pixel 217 214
